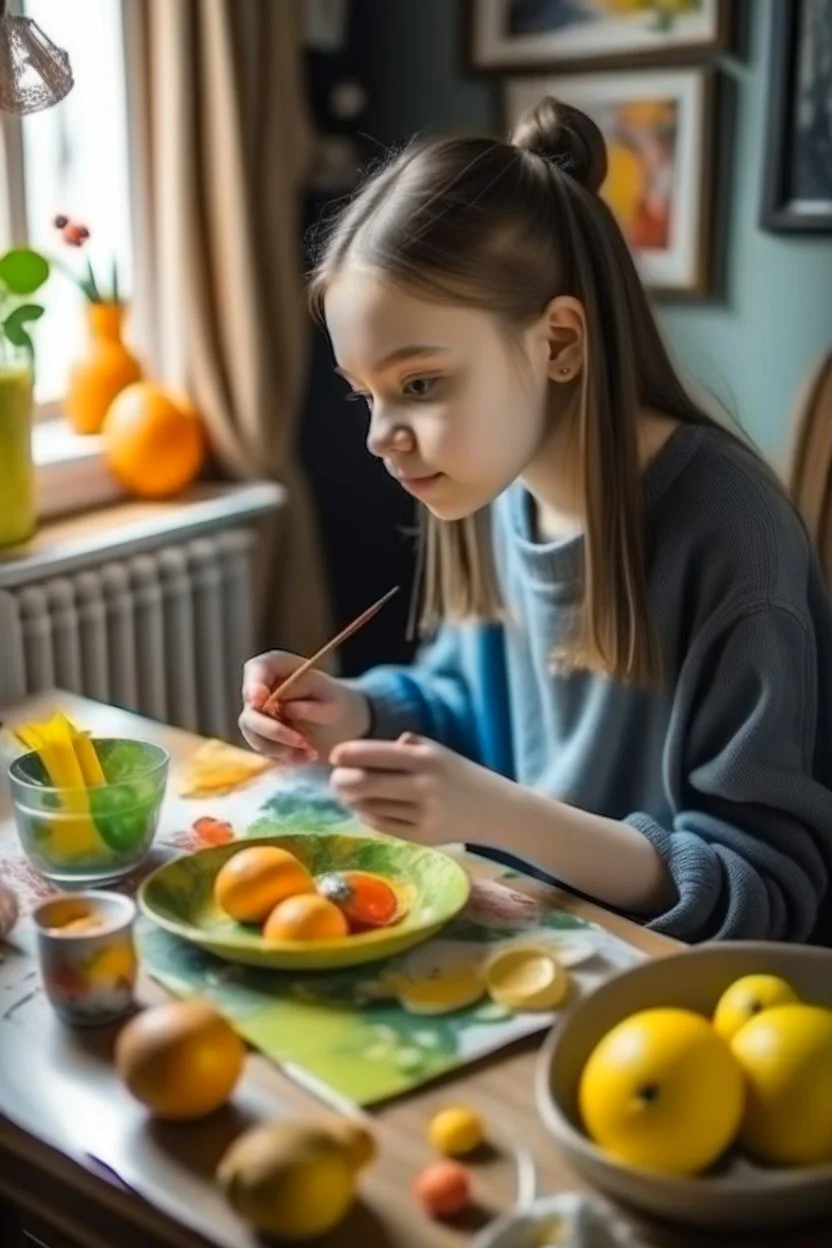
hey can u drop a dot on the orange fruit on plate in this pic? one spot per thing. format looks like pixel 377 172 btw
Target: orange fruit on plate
pixel 153 443
pixel 181 1059
pixel 366 900
pixel 255 880
pixel 306 917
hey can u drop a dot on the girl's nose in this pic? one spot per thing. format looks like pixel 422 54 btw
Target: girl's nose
pixel 384 438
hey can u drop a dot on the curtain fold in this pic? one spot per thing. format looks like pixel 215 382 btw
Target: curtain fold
pixel 809 467
pixel 221 142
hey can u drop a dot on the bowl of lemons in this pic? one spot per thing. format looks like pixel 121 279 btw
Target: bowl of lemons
pixel 698 1087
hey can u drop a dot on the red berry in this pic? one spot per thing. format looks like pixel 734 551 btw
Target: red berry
pixel 443 1188
pixel 60 221
pixel 72 235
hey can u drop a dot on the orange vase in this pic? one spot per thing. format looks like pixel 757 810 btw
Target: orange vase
pixel 107 368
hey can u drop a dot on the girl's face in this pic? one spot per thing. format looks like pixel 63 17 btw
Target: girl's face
pixel 456 412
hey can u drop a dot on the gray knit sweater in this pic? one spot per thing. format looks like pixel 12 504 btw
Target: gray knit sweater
pixel 728 773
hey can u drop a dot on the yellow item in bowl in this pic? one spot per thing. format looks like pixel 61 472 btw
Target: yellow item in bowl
pixel 748 997
pixel 71 765
pixel 786 1057
pixel 662 1091
pixel 526 977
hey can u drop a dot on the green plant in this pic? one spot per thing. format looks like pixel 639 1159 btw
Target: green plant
pixel 22 272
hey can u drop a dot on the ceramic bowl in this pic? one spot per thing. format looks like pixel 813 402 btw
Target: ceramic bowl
pixel 179 897
pixel 736 1194
pixel 83 838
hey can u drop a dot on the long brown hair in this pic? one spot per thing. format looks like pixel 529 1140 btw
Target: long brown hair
pixel 505 227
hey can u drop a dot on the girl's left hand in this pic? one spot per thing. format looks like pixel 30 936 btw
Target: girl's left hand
pixel 419 790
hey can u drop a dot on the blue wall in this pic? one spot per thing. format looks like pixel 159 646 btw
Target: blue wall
pixel 775 312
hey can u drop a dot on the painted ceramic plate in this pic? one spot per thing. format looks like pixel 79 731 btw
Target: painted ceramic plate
pixel 179 897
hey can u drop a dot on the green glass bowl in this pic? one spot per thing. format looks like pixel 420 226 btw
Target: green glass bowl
pixel 82 838
pixel 179 897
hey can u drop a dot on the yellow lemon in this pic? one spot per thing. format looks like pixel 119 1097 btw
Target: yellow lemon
pixel 441 993
pixel 456 1131
pixel 749 996
pixel 295 1181
pixel 526 977
pixel 786 1054
pixel 663 1091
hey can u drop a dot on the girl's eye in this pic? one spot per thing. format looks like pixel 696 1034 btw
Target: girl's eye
pixel 419 387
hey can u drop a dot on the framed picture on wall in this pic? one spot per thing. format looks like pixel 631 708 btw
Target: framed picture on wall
pixel 797 181
pixel 658 125
pixel 566 35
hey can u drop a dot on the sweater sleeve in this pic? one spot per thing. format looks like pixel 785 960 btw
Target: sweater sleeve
pixel 432 697
pixel 750 838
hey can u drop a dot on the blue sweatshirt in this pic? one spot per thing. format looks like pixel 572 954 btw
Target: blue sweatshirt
pixel 729 772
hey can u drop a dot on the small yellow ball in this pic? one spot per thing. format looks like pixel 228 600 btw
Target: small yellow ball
pixel 456 1131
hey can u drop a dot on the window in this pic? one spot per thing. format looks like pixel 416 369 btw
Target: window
pixel 73 159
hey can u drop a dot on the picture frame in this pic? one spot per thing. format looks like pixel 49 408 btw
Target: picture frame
pixel 661 144
pixel 797 174
pixel 527 36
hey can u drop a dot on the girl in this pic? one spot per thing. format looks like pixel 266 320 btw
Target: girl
pixel 631 683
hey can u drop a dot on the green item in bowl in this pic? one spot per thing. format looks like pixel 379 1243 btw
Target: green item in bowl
pixel 180 898
pixel 87 837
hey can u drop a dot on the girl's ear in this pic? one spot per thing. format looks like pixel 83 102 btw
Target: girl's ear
pixel 565 322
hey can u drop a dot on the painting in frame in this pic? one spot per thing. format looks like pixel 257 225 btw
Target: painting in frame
pixel 570 35
pixel 797 181
pixel 658 125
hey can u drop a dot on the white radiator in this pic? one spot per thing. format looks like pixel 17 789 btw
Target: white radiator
pixel 164 632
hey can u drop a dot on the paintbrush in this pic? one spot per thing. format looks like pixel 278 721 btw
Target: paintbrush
pixel 277 695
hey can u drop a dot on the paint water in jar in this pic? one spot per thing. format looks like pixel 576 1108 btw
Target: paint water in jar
pixel 17 475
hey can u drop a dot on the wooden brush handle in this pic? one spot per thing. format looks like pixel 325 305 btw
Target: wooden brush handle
pixel 278 694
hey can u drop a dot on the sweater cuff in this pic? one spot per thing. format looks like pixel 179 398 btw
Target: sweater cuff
pixel 395 706
pixel 697 877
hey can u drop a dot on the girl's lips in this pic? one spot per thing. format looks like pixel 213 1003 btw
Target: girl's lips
pixel 419 485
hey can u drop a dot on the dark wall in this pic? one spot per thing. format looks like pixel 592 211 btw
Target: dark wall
pixel 407 55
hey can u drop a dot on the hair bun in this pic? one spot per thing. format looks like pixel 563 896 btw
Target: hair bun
pixel 565 136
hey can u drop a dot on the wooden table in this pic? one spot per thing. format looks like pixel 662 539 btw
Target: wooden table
pixel 79 1204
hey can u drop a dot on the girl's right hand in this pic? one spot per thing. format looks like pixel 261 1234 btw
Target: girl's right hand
pixel 319 712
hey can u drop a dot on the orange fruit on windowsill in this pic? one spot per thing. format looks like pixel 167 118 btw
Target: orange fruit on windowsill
pixel 154 442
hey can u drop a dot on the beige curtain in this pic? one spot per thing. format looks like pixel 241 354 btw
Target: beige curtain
pixel 221 144
pixel 809 468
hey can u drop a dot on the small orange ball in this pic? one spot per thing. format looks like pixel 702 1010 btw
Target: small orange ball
pixel 443 1188
pixel 255 880
pixel 307 917
pixel 153 443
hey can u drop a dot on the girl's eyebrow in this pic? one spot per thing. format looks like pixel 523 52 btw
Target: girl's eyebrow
pixel 396 357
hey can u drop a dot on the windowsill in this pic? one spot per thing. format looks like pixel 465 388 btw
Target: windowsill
pixel 70 473
pixel 129 527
